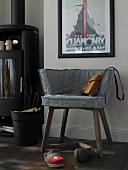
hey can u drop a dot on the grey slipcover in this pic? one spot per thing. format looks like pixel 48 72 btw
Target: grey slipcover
pixel 62 88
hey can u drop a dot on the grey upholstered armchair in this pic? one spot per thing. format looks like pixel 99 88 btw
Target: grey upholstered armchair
pixel 62 91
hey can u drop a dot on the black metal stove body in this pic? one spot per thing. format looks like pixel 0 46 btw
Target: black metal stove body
pixel 18 61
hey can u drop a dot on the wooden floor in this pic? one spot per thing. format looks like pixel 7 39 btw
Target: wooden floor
pixel 14 157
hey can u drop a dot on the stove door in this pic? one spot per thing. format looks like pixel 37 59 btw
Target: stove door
pixel 10 81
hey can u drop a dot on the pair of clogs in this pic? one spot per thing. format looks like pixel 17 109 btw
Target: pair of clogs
pixel 55 160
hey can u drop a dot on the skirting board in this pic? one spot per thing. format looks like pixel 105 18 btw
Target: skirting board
pixel 118 135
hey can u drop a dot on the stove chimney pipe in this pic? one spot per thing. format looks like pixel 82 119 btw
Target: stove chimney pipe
pixel 17 12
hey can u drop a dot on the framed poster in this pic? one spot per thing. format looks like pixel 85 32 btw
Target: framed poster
pixel 86 28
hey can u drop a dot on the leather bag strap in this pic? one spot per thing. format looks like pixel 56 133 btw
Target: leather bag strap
pixel 116 83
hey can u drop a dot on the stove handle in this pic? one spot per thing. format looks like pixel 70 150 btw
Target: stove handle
pixel 21 84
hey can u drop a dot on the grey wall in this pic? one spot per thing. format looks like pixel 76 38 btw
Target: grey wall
pixel 1 11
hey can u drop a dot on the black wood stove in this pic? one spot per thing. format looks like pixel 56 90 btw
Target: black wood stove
pixel 19 56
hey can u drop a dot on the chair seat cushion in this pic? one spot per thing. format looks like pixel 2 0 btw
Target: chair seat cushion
pixel 73 101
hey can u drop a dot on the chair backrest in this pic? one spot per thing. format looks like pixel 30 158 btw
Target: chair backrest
pixel 70 81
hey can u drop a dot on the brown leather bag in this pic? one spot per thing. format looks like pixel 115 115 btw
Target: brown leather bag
pixel 91 85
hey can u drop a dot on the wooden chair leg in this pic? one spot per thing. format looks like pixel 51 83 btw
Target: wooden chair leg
pixel 105 125
pixel 63 126
pixel 97 132
pixel 47 129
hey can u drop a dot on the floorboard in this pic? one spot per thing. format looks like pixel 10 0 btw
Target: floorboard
pixel 13 157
